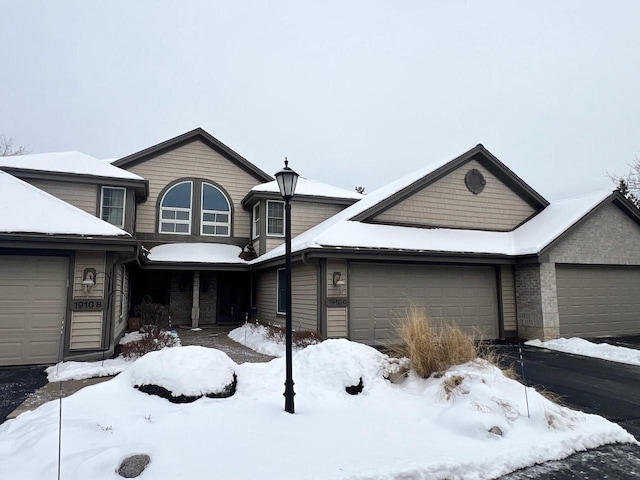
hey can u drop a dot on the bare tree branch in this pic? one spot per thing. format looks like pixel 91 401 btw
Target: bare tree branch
pixel 7 149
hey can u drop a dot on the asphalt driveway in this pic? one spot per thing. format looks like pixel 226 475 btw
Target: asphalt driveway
pixel 16 383
pixel 609 389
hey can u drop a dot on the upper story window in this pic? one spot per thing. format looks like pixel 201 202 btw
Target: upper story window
pixel 216 212
pixel 175 209
pixel 275 218
pixel 256 221
pixel 112 206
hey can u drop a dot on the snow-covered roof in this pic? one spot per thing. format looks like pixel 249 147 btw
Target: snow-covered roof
pixel 27 209
pixel 196 253
pixel 67 162
pixel 311 188
pixel 340 231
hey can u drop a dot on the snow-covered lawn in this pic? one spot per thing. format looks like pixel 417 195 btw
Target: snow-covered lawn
pixel 579 346
pixel 433 428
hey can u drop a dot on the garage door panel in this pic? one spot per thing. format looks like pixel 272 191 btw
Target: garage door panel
pixel 33 299
pixel 598 301
pixel 466 296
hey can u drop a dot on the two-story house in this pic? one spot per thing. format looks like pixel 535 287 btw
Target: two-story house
pixel 192 225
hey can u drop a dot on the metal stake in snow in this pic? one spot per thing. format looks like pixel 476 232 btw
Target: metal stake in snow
pixel 60 356
pixel 526 397
pixel 246 325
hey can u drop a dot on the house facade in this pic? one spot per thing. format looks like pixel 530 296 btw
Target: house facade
pixel 192 225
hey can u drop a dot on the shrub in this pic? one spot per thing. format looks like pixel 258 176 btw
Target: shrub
pixel 153 338
pixel 434 348
pixel 299 338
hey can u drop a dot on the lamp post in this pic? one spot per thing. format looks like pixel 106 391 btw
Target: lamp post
pixel 287 180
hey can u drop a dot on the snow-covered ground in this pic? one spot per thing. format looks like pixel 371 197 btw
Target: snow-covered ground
pixel 433 428
pixel 256 337
pixel 579 346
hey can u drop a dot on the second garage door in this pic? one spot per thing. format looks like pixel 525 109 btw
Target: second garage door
pixel 598 301
pixel 380 295
pixel 33 298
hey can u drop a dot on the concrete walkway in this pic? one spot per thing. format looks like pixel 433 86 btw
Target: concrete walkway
pixel 212 337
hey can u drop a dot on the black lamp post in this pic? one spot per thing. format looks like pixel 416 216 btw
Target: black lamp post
pixel 287 180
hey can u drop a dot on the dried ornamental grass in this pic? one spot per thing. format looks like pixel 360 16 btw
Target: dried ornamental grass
pixel 434 348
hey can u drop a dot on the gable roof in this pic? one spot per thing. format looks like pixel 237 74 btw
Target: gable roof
pixel 342 232
pixel 73 163
pixel 406 186
pixel 27 209
pixel 184 139
pixel 305 188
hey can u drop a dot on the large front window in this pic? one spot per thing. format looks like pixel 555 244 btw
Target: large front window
pixel 175 209
pixel 112 206
pixel 216 212
pixel 275 218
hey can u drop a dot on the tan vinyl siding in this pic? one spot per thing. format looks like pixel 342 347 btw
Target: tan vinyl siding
pixel 448 203
pixel 303 298
pixel 273 242
pixel 194 160
pixel 89 260
pixel 81 195
pixel 337 317
pixel 508 298
pixel 86 328
pixel 305 215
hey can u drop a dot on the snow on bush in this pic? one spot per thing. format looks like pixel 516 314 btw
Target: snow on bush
pixel 190 371
pixel 269 340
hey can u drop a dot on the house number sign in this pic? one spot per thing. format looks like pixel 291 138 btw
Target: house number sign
pixel 87 304
pixel 337 302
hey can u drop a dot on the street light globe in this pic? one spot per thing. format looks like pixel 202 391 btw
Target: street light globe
pixel 287 180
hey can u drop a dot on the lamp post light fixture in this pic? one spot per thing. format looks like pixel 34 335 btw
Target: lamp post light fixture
pixel 287 180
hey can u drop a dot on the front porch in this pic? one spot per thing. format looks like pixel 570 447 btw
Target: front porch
pixel 194 298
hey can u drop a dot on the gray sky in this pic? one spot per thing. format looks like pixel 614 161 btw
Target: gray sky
pixel 353 92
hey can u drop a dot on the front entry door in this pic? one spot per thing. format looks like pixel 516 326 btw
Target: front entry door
pixel 233 295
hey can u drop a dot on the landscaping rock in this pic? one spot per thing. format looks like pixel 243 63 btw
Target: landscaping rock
pixel 496 431
pixel 133 466
pixel 355 389
pixel 162 392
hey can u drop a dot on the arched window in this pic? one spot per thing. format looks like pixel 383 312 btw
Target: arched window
pixel 216 212
pixel 175 209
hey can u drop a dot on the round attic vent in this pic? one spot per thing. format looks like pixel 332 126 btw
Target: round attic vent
pixel 475 181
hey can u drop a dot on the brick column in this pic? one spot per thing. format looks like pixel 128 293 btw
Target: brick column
pixel 549 297
pixel 195 304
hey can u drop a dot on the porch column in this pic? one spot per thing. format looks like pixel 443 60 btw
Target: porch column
pixel 195 304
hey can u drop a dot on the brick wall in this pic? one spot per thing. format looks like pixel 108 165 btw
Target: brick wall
pixel 537 301
pixel 608 237
pixel 180 299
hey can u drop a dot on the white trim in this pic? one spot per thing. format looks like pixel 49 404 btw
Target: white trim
pixel 255 232
pixel 208 223
pixel 124 203
pixel 176 209
pixel 283 219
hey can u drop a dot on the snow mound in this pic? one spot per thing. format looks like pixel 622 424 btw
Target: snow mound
pixel 190 371
pixel 64 371
pixel 579 346
pixel 263 340
pixel 335 364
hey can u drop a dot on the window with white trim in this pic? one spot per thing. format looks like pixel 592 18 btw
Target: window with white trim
pixel 256 221
pixel 275 218
pixel 112 205
pixel 282 292
pixel 175 209
pixel 216 212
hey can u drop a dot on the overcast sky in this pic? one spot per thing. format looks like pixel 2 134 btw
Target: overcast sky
pixel 353 92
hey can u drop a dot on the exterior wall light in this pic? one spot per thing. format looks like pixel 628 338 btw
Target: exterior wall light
pixel 88 279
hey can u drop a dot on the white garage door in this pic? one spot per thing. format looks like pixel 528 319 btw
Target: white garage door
pixel 598 301
pixel 381 294
pixel 33 298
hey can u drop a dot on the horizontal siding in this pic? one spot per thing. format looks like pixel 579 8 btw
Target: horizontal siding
pixel 94 260
pixel 193 160
pixel 81 195
pixel 448 203
pixel 303 298
pixel 86 328
pixel 508 299
pixel 273 242
pixel 305 215
pixel 337 318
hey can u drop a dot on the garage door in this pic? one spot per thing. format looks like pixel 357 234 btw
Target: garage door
pixel 598 301
pixel 381 294
pixel 33 297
